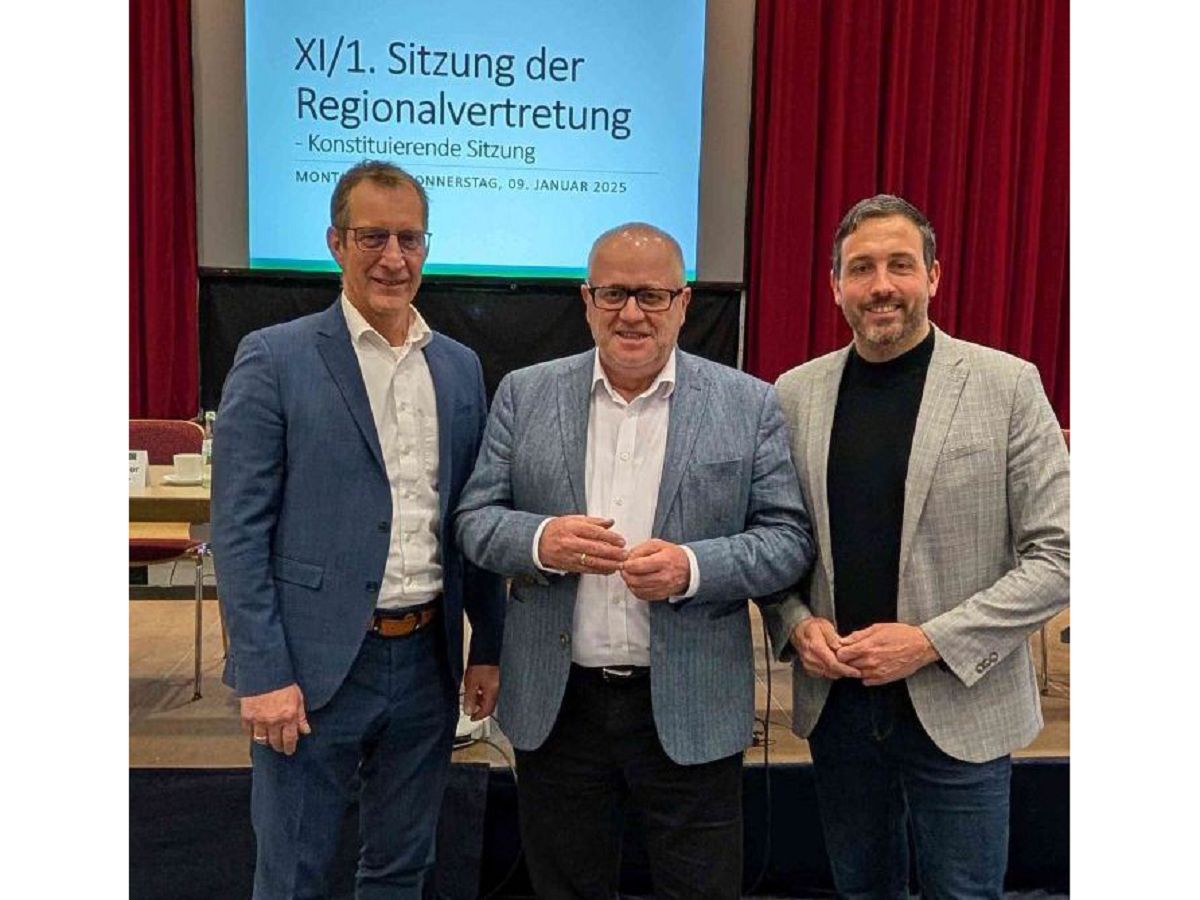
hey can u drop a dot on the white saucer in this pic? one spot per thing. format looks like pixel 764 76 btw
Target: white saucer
pixel 180 481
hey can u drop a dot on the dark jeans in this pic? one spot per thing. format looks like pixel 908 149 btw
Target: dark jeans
pixel 389 728
pixel 877 772
pixel 604 752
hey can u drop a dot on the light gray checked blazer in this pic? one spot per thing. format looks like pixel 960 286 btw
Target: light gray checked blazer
pixel 728 491
pixel 984 544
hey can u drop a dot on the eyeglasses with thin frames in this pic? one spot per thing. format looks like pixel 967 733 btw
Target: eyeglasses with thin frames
pixel 374 240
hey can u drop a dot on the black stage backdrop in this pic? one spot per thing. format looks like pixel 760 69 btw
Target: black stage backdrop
pixel 508 325
pixel 190 836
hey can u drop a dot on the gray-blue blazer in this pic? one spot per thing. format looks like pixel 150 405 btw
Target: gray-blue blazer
pixel 729 491
pixel 302 511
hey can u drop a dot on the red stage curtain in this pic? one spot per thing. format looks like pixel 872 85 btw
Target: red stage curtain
pixel 959 106
pixel 164 377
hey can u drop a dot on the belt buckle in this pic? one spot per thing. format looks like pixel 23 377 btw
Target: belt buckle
pixel 405 624
pixel 616 673
pixel 397 626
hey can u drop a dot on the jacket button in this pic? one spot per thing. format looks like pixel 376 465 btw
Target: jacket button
pixel 385 525
pixel 993 657
pixel 980 667
pixel 372 586
pixel 564 639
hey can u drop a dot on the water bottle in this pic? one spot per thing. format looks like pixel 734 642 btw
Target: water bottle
pixel 210 419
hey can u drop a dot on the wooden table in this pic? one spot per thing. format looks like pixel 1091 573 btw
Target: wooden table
pixel 166 511
pixel 161 502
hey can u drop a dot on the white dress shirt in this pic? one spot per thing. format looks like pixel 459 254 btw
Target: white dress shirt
pixel 626 444
pixel 404 407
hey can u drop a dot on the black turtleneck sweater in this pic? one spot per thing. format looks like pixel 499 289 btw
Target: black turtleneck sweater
pixel 869 446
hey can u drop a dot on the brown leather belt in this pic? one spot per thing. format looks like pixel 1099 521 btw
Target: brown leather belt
pixel 397 624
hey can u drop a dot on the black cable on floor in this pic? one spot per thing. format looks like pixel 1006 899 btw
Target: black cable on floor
pixel 766 767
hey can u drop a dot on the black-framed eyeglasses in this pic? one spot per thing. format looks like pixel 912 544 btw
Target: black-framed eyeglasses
pixel 614 296
pixel 373 240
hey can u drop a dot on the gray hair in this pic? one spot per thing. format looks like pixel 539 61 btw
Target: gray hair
pixel 640 229
pixel 380 172
pixel 878 207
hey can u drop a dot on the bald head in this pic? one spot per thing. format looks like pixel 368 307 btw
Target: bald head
pixel 638 236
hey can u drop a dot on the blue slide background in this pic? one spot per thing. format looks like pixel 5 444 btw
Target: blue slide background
pixel 646 56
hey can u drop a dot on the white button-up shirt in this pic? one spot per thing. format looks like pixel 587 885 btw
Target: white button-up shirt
pixel 404 407
pixel 626 445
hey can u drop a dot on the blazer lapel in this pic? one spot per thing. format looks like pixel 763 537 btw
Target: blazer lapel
pixel 443 392
pixel 948 371
pixel 574 408
pixel 687 411
pixel 333 344
pixel 819 430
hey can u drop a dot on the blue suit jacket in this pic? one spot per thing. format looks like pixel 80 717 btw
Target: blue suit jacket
pixel 728 490
pixel 302 512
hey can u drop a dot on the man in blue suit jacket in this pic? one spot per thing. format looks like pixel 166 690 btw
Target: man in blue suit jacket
pixel 638 496
pixel 342 443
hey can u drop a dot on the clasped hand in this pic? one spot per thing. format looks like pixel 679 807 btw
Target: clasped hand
pixel 878 654
pixel 653 570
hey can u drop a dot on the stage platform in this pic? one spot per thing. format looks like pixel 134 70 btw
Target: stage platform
pixel 189 785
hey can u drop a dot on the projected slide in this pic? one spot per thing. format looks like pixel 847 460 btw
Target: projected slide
pixel 533 124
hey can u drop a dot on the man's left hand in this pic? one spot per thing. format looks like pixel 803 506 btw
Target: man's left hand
pixel 887 651
pixel 481 686
pixel 657 570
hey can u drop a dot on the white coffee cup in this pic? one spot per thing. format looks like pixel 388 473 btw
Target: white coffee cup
pixel 189 466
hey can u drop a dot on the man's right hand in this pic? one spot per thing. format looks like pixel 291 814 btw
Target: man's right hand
pixel 584 544
pixel 816 641
pixel 276 718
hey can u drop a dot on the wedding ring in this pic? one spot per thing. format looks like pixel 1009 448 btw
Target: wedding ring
pixel 583 559
pixel 260 739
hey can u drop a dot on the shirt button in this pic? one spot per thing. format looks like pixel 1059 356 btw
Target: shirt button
pixel 625 456
pixel 619 501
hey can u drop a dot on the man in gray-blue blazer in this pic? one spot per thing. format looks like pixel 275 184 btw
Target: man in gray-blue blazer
pixel 939 484
pixel 342 443
pixel 637 496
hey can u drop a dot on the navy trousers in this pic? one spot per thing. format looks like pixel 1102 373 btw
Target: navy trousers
pixel 878 773
pixel 385 737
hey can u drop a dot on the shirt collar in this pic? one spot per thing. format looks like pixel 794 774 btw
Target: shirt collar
pixel 664 381
pixel 419 332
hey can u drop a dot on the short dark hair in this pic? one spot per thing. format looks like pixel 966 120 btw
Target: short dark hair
pixel 878 207
pixel 382 173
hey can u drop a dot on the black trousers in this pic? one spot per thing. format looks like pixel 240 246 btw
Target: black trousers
pixel 602 754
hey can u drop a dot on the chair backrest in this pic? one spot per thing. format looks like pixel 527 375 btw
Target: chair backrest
pixel 1067 437
pixel 163 438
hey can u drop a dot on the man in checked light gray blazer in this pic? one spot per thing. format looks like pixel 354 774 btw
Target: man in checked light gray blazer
pixel 938 480
pixel 637 495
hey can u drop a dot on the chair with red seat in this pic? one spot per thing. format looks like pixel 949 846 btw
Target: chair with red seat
pixel 162 439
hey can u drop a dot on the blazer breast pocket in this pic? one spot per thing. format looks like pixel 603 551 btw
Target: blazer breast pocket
pixel 713 499
pixel 964 449
pixel 969 466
